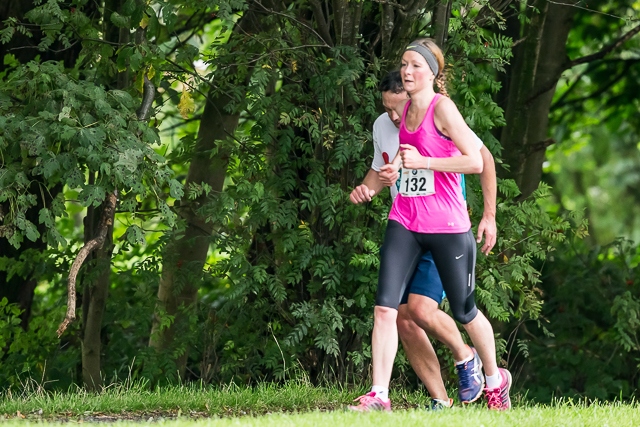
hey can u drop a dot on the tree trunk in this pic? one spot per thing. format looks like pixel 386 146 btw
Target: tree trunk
pixel 185 256
pixel 20 288
pixel 94 299
pixel 538 65
pixel 441 22
pixel 398 27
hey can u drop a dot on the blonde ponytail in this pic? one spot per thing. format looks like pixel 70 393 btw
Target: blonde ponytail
pixel 441 82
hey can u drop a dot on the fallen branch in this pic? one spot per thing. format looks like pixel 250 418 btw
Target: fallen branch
pixel 106 221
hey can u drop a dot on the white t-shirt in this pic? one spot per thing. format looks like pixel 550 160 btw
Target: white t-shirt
pixel 386 140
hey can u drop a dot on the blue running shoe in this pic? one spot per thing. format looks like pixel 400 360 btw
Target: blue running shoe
pixel 470 379
pixel 439 404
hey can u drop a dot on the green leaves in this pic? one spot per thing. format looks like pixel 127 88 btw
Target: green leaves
pixel 135 235
pixel 120 21
pixel 59 132
pixel 626 311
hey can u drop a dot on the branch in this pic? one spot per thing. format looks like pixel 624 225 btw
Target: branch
pixel 571 88
pixel 547 86
pixel 204 19
pixel 323 25
pixel 193 118
pixel 561 102
pixel 591 10
pixel 106 221
pixel 392 4
pixel 605 50
pixel 299 21
pixel 541 145
pixel 490 11
pixel 148 95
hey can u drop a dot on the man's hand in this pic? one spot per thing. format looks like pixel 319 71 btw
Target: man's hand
pixel 487 227
pixel 388 174
pixel 361 194
pixel 411 157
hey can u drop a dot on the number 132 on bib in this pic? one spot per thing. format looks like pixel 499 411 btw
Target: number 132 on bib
pixel 416 182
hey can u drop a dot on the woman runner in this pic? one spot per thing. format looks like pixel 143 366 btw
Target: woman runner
pixel 430 214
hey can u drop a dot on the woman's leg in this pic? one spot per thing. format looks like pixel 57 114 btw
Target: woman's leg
pixel 451 251
pixel 481 333
pixel 455 256
pixel 399 256
pixel 384 344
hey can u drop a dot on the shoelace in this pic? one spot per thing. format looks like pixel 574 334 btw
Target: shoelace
pixel 494 399
pixel 465 379
pixel 438 404
pixel 368 399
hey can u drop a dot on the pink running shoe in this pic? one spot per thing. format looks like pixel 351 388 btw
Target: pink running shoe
pixel 369 402
pixel 498 398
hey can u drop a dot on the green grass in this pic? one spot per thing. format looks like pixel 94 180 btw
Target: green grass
pixel 566 415
pixel 296 404
pixel 230 400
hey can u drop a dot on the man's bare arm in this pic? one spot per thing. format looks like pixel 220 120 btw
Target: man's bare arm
pixel 371 185
pixel 488 182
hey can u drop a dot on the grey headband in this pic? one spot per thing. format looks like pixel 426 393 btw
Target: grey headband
pixel 427 54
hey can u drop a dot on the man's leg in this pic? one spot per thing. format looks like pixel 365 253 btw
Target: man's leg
pixel 425 285
pixel 425 312
pixel 421 354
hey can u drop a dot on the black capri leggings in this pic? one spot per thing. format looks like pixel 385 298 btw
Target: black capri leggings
pixel 455 259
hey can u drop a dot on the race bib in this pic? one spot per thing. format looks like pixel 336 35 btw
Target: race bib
pixel 416 182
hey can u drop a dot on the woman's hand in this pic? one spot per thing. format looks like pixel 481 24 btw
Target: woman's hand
pixel 411 157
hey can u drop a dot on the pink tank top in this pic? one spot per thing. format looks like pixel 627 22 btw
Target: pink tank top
pixel 446 210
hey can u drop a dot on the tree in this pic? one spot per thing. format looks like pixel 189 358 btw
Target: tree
pixel 300 262
pixel 540 59
pixel 80 128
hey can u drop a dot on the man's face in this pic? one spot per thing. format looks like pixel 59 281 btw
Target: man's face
pixel 392 103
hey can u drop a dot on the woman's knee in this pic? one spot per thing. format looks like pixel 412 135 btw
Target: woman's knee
pixel 382 313
pixel 463 315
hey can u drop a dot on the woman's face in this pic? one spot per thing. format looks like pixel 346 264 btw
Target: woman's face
pixel 415 72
